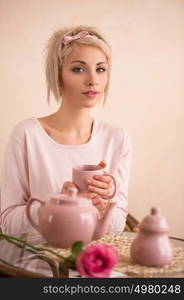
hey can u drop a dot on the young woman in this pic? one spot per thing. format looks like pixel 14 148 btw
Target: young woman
pixel 42 151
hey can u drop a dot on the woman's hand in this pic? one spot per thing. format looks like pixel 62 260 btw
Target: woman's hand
pixel 100 203
pixel 103 185
pixel 100 186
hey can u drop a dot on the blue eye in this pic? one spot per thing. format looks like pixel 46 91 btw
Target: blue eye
pixel 77 70
pixel 101 70
pixel 80 70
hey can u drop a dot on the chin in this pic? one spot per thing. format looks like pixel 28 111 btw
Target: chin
pixel 90 104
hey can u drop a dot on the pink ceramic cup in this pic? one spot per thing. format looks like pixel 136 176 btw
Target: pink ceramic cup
pixel 80 174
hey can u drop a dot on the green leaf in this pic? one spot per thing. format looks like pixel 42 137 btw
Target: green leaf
pixel 76 248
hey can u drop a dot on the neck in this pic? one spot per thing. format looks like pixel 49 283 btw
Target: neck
pixel 76 121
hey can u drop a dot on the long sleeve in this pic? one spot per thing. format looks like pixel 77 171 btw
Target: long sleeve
pixel 122 175
pixel 35 166
pixel 15 187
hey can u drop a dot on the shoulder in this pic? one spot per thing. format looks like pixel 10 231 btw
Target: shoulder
pixel 18 136
pixel 112 131
pixel 114 137
pixel 23 127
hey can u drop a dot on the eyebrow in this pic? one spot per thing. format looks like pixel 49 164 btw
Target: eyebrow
pixel 84 63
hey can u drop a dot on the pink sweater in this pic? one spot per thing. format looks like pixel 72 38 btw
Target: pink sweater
pixel 36 165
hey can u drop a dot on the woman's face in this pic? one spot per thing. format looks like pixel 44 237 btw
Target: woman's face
pixel 84 70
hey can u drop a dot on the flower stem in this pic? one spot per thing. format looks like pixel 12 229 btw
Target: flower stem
pixel 17 241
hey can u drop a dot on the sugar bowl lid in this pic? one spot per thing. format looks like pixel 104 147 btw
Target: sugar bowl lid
pixel 154 222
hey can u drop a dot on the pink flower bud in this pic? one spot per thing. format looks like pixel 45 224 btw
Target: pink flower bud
pixel 96 260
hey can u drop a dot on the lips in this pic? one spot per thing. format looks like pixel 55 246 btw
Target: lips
pixel 91 93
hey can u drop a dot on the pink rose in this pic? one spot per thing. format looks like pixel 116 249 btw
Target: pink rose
pixel 96 260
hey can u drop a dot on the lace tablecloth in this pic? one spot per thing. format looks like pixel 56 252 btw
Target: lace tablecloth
pixel 128 268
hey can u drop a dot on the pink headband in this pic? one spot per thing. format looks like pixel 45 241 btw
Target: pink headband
pixel 82 34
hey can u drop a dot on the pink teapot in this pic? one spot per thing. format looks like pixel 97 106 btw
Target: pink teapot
pixel 67 218
pixel 152 246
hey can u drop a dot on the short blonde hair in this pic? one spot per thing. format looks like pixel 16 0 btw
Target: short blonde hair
pixel 56 52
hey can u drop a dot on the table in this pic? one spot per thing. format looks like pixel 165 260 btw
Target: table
pixel 131 269
pixel 15 262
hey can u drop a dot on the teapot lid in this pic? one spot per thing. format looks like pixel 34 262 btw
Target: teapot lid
pixel 154 222
pixel 70 198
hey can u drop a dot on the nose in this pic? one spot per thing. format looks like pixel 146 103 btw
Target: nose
pixel 91 79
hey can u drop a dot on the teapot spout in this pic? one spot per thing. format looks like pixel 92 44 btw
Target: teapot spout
pixel 104 222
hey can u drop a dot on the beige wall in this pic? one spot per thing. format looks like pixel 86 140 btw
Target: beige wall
pixel 146 95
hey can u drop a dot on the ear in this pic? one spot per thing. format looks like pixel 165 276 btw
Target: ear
pixel 60 82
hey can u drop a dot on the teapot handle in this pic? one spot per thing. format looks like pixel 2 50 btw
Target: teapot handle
pixel 113 194
pixel 28 210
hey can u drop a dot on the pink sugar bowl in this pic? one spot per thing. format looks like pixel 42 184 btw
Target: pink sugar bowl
pixel 152 246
